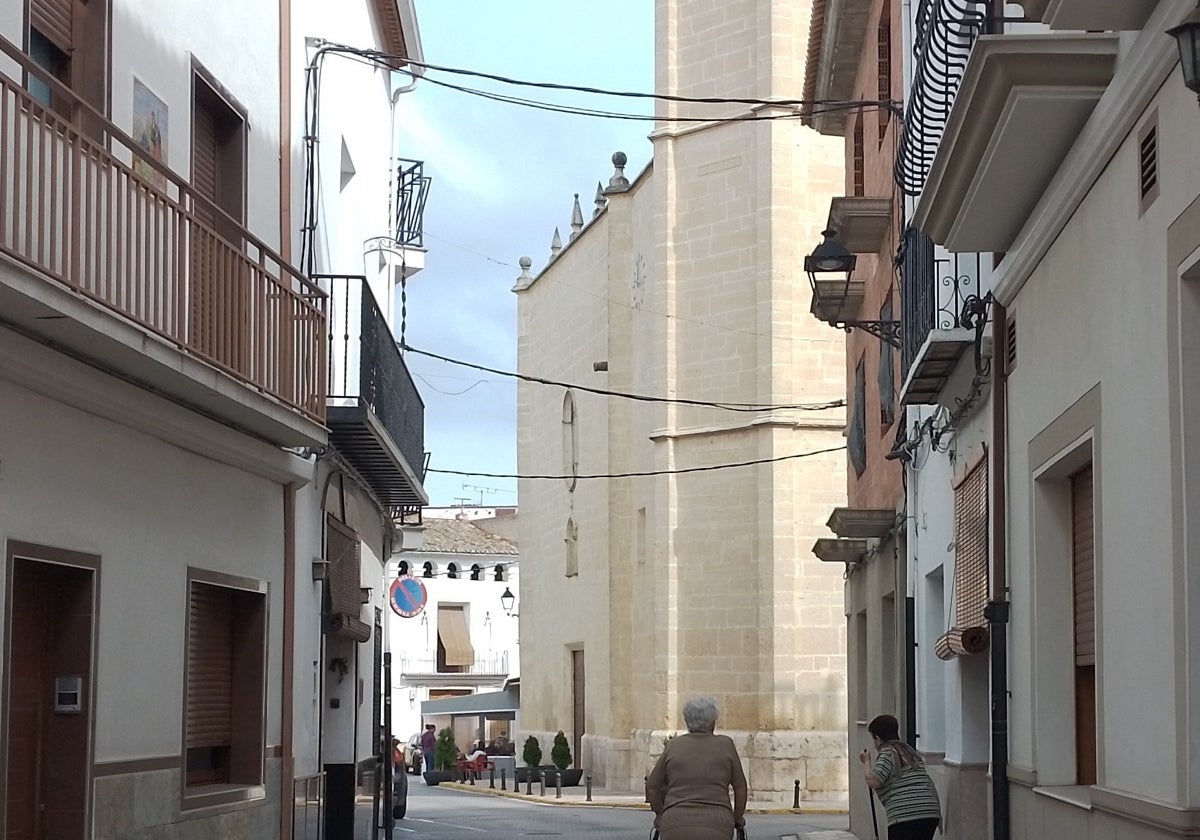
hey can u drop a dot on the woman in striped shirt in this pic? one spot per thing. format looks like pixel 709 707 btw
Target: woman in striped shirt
pixel 898 775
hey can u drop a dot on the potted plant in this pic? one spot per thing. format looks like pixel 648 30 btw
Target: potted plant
pixel 531 754
pixel 445 753
pixel 560 754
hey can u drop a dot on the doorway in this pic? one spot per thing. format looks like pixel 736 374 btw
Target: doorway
pixel 578 708
pixel 48 693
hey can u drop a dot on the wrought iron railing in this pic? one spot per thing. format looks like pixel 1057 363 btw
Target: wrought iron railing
pixel 494 665
pixel 308 807
pixel 412 189
pixel 82 205
pixel 366 364
pixel 935 286
pixel 944 33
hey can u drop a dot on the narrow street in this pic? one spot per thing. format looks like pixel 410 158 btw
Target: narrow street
pixel 442 814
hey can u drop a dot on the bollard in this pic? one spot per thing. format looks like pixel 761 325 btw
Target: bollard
pixel 588 781
pixel 529 782
pixel 471 777
pixel 542 783
pixel 492 777
pixel 503 779
pixel 558 784
pixel 646 786
pixel 796 796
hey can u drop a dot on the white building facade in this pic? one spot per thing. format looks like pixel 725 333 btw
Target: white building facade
pixel 1067 160
pixel 464 641
pixel 167 364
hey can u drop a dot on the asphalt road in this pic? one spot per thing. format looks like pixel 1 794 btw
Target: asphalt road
pixel 439 814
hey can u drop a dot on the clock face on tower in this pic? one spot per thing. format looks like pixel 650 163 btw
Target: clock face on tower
pixel 638 291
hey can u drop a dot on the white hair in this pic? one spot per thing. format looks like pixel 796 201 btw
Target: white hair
pixel 700 714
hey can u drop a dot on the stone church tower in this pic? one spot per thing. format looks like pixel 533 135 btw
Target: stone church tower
pixel 640 591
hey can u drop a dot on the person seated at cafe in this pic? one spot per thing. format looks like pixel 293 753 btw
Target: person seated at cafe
pixel 491 748
pixel 477 753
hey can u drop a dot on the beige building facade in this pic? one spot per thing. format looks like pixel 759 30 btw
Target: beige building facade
pixel 676 574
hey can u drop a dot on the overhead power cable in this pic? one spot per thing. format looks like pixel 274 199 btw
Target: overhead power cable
pixel 728 406
pixel 682 471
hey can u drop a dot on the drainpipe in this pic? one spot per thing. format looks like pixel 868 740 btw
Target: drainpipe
pixel 287 740
pixel 998 607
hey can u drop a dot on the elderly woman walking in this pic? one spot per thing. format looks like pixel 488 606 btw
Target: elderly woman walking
pixel 689 786
pixel 898 775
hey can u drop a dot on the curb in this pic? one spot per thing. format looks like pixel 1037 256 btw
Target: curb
pixel 632 805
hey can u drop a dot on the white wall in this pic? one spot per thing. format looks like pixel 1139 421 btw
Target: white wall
pixel 149 510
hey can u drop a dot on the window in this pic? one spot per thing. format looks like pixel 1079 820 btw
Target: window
pixel 1084 614
pixel 570 441
pixel 969 634
pixel 887 377
pixel 476 571
pixel 452 571
pixel 47 55
pixel 226 680
pixel 402 569
pixel 427 569
pixel 856 435
pixel 860 165
pixel 884 72
pixel 455 653
pixel 343 554
pixel 498 572
pixel 572 549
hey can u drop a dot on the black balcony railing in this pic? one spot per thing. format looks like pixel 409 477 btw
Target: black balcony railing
pixel 367 367
pixel 935 287
pixel 945 32
pixel 412 189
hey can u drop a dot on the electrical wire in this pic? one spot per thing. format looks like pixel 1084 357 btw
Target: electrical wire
pixel 682 471
pixel 728 406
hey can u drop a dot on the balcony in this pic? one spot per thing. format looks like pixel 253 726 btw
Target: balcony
pixel 376 417
pixel 116 267
pixel 937 290
pixel 1022 103
pixel 1091 15
pixel 493 667
pixel 862 222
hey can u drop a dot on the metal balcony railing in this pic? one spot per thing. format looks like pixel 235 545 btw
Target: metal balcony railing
pixel 412 190
pixel 492 665
pixel 944 33
pixel 73 210
pixel 935 286
pixel 366 365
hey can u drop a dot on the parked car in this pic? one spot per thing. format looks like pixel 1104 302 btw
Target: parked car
pixel 412 754
pixel 399 793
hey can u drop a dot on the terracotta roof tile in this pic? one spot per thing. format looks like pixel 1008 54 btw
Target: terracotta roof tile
pixel 460 536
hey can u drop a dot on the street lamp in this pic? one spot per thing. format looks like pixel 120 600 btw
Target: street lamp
pixel 1187 35
pixel 508 600
pixel 829 267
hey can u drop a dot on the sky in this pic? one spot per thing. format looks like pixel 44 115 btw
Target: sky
pixel 504 176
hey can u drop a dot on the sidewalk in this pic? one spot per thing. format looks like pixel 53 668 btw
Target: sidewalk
pixel 604 798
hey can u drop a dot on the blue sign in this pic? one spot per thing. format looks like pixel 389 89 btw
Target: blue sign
pixel 407 597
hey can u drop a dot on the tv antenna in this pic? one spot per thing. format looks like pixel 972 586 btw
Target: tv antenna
pixel 482 491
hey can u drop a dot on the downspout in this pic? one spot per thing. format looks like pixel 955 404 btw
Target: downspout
pixel 998 607
pixel 287 762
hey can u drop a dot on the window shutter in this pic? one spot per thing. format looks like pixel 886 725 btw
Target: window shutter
pixel 1083 566
pixel 856 435
pixel 210 667
pixel 54 19
pixel 343 558
pixel 969 635
pixel 204 159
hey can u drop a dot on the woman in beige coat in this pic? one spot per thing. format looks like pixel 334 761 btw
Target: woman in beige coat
pixel 689 787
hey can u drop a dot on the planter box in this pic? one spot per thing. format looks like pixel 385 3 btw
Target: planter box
pixel 433 778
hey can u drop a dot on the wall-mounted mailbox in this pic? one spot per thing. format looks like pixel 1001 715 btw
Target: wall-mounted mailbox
pixel 68 695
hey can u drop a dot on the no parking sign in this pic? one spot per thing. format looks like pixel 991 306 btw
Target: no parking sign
pixel 407 597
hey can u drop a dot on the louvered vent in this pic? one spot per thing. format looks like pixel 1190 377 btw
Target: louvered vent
pixel 1010 348
pixel 1148 163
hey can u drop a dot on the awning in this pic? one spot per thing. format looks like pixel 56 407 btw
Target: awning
pixel 455 637
pixel 497 703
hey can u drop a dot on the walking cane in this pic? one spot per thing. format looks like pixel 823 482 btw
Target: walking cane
pixel 874 821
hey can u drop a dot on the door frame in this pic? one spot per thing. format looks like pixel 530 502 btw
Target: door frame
pixel 48 555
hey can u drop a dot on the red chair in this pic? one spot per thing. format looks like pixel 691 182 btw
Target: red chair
pixel 471 770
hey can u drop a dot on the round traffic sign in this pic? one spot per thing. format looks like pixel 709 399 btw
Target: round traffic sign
pixel 407 597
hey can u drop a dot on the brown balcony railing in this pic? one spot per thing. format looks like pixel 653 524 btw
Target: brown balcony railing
pixel 73 208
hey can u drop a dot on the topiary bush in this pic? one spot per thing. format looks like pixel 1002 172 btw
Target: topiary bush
pixel 560 753
pixel 445 752
pixel 532 752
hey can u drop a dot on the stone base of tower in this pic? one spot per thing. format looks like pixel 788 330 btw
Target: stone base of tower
pixel 773 761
